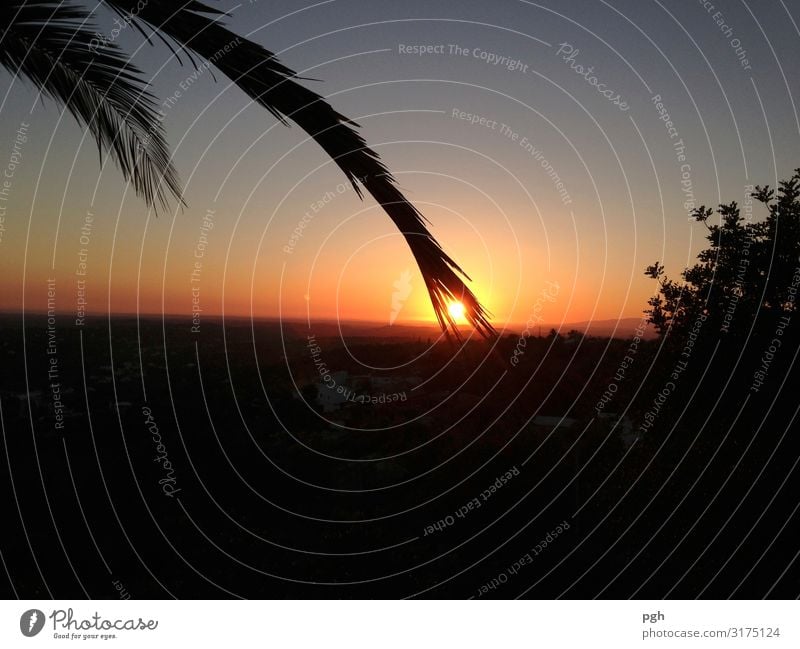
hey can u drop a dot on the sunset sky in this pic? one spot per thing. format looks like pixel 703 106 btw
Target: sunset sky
pixel 724 76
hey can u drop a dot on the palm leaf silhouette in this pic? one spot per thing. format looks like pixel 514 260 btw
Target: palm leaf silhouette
pixel 49 43
pixel 197 28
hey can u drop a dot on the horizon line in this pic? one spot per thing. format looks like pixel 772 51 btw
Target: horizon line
pixel 302 319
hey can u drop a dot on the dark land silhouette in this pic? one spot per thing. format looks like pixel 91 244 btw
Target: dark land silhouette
pixel 268 497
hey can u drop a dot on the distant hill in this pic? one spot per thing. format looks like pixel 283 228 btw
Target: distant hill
pixel 622 328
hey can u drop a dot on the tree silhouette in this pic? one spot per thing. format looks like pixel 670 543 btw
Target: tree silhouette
pixel 50 43
pixel 748 276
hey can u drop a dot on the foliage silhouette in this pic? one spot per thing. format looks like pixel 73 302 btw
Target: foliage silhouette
pixel 748 276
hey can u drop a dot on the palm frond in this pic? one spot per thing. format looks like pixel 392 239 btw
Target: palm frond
pixel 274 86
pixel 50 44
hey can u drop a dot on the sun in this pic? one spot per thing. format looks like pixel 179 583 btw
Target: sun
pixel 456 311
